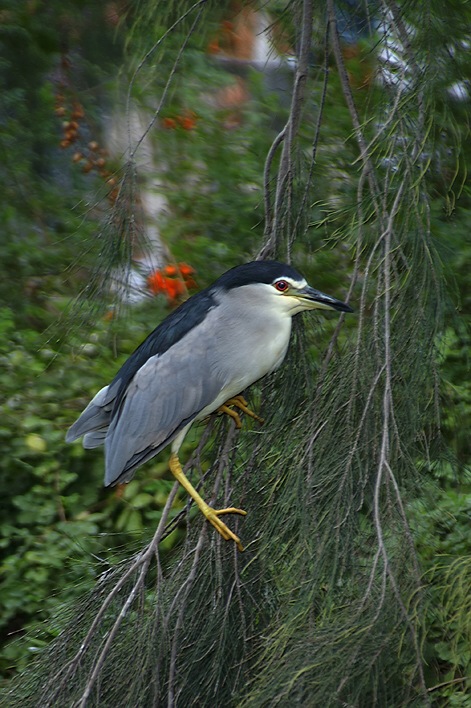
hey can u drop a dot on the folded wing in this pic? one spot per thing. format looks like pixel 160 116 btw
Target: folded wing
pixel 164 396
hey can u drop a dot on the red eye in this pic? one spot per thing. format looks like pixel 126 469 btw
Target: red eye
pixel 281 285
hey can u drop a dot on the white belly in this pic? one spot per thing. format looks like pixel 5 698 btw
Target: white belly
pixel 259 351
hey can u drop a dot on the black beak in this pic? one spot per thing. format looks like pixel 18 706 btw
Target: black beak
pixel 322 301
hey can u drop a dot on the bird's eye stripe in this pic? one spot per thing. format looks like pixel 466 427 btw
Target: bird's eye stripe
pixel 281 285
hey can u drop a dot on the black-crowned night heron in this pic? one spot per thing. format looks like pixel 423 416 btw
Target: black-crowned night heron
pixel 197 361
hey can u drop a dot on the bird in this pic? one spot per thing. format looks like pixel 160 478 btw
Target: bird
pixel 199 360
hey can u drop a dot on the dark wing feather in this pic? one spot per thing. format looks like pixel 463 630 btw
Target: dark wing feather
pixel 96 416
pixel 164 396
pixel 179 323
pixel 94 421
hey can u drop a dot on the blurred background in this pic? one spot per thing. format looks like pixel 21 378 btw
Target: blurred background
pixel 136 167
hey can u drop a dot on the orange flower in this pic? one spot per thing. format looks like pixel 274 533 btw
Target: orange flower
pixel 156 282
pixel 173 288
pixel 161 281
pixel 185 269
pixel 169 123
pixel 188 123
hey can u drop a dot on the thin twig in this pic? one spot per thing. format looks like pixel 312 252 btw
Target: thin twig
pixel 315 143
pixel 274 218
pixel 143 62
pixel 347 92
pixel 141 563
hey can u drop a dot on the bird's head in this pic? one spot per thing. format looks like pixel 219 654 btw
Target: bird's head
pixel 280 287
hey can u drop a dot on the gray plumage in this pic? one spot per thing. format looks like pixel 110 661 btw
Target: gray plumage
pixel 210 349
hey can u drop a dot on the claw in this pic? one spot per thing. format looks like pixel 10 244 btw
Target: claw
pixel 233 414
pixel 212 515
pixel 241 403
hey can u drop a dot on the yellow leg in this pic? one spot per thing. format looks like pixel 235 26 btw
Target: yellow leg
pixel 212 515
pixel 241 403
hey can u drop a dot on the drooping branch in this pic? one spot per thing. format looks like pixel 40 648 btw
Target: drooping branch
pixel 348 95
pixel 274 217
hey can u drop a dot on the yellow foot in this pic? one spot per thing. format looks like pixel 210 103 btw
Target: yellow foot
pixel 212 515
pixel 241 403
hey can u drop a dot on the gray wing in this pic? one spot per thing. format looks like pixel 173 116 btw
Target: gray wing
pixel 94 420
pixel 165 395
pixel 193 377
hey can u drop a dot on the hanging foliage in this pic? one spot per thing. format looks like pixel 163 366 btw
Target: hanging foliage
pixel 330 603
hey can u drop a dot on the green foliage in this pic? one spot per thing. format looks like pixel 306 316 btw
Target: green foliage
pixel 440 524
pixel 59 529
pixel 39 184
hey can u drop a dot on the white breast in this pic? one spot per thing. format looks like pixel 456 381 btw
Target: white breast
pixel 250 341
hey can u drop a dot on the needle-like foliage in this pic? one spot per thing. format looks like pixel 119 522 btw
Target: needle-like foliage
pixel 326 605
